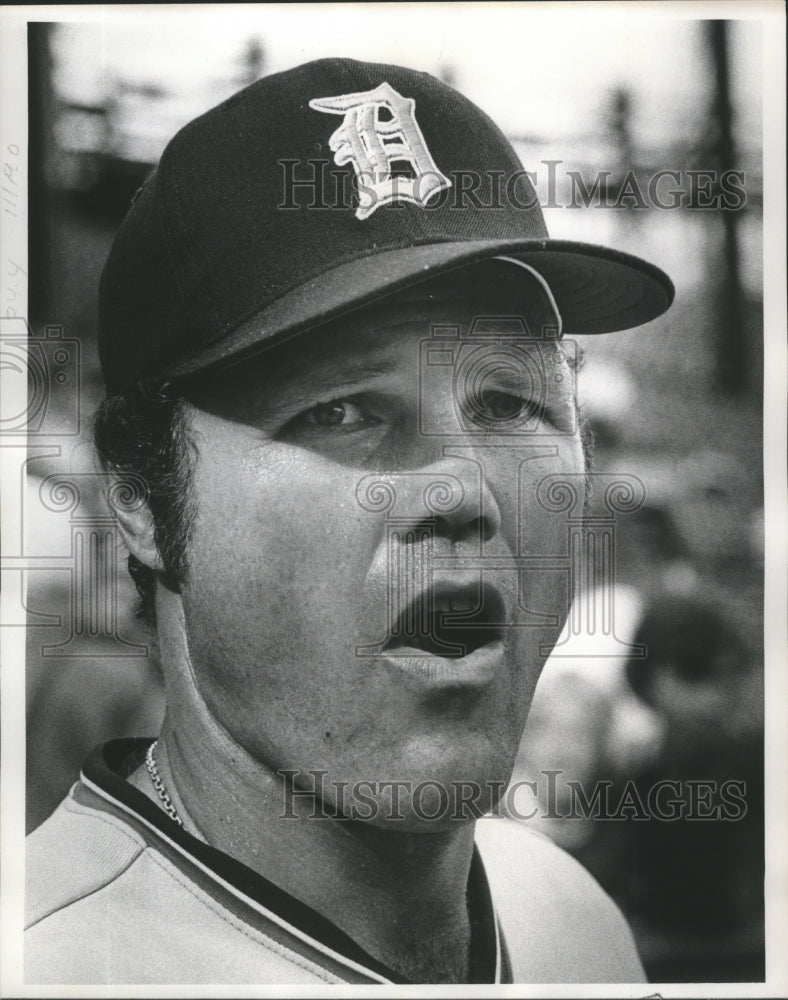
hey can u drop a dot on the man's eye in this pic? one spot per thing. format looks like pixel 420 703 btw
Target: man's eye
pixel 337 413
pixel 497 405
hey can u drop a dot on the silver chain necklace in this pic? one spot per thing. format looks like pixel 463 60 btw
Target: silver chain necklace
pixel 158 784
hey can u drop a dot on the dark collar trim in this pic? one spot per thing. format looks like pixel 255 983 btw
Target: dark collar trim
pixel 103 769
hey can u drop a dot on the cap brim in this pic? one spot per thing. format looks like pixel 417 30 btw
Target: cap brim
pixel 597 290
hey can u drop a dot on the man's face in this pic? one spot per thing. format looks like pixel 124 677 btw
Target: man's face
pixel 352 489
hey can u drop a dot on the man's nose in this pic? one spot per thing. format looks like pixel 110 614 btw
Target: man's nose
pixel 476 515
pixel 451 495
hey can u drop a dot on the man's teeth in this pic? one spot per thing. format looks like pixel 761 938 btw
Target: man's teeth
pixel 455 604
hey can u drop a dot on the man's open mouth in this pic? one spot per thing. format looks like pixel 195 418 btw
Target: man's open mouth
pixel 449 620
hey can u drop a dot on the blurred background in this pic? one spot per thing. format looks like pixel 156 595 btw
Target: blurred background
pixel 677 404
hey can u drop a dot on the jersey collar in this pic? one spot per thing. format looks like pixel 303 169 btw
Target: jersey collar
pixel 261 902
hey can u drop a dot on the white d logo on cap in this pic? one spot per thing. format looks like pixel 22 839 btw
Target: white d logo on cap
pixel 373 145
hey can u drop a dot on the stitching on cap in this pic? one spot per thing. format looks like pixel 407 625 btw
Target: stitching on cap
pixel 165 231
pixel 204 287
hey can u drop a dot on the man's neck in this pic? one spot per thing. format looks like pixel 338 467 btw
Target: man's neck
pixel 400 896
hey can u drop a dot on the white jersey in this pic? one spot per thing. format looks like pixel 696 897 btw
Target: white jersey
pixel 119 893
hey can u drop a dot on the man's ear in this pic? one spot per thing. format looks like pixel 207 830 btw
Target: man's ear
pixel 138 531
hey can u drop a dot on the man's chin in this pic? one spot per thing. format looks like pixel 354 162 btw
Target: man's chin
pixel 422 804
pixel 428 810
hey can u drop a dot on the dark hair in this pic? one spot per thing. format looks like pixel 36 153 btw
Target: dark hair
pixel 144 432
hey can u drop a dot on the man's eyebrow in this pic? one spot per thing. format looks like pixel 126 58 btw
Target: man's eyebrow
pixel 332 377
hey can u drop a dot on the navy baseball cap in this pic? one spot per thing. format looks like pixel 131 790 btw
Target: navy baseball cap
pixel 322 189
